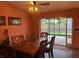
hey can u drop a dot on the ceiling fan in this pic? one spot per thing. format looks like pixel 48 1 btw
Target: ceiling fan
pixel 34 6
pixel 41 4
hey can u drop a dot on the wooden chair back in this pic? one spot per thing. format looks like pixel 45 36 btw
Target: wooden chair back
pixel 40 52
pixel 44 34
pixel 52 42
pixel 43 44
pixel 17 39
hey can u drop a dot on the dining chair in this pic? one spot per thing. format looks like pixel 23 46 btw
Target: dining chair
pixel 14 39
pixel 44 34
pixel 21 38
pixel 3 53
pixel 17 39
pixel 7 52
pixel 40 52
pixel 49 47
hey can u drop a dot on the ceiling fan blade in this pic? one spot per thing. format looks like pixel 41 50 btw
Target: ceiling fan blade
pixel 44 4
pixel 34 2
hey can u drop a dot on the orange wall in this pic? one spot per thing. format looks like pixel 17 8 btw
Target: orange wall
pixel 72 12
pixel 6 10
pixel 33 23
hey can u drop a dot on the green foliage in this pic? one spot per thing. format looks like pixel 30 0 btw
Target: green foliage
pixel 44 21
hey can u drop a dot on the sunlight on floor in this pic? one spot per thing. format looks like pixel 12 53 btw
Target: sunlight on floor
pixel 60 40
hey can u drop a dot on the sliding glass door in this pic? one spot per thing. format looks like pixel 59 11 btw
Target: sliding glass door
pixel 61 27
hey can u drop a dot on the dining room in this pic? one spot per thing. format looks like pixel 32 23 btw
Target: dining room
pixel 39 29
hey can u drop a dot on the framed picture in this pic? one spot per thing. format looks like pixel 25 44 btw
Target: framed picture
pixel 14 21
pixel 2 20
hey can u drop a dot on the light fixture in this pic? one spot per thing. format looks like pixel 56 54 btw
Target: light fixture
pixel 32 7
pixel 31 2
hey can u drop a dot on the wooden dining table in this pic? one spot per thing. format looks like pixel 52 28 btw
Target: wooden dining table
pixel 27 47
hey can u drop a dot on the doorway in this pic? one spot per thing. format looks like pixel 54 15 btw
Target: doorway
pixel 61 27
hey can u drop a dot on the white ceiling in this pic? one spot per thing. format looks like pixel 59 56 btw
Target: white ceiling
pixel 54 5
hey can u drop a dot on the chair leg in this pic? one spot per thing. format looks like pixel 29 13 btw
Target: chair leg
pixel 43 55
pixel 49 54
pixel 52 53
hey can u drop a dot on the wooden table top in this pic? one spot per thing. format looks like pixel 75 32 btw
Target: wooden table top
pixel 27 47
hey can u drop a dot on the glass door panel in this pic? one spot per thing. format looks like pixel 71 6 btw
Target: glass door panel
pixel 44 25
pixel 69 31
pixel 56 26
pixel 52 26
pixel 69 26
pixel 62 26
